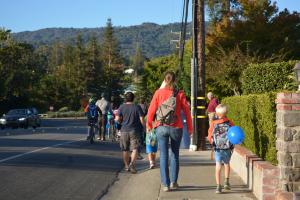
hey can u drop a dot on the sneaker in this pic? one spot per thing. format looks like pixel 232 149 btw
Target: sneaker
pixel 126 169
pixel 119 134
pixel 152 166
pixel 166 188
pixel 219 189
pixel 227 186
pixel 174 186
pixel 98 138
pixel 132 169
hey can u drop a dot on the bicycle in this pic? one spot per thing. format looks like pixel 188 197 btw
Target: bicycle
pixel 92 131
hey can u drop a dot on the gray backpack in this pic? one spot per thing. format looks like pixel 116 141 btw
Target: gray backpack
pixel 165 113
pixel 220 139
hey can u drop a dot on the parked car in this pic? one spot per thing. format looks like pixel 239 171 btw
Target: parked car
pixel 21 118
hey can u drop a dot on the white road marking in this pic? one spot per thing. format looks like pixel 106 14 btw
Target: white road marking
pixel 37 150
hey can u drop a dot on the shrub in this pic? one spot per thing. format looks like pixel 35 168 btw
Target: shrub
pixel 256 115
pixel 268 77
pixel 65 114
pixel 63 109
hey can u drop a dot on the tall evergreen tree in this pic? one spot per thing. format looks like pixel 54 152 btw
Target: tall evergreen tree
pixel 110 49
pixel 138 61
pixel 112 62
pixel 80 53
pixel 56 56
pixel 94 67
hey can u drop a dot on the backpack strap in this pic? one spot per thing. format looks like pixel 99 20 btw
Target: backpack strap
pixel 175 92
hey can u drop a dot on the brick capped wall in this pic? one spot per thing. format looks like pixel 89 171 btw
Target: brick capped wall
pixel 288 141
pixel 260 176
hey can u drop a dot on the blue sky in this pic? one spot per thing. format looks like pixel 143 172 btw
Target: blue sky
pixel 22 15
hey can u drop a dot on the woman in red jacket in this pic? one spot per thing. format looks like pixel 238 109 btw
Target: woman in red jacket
pixel 172 131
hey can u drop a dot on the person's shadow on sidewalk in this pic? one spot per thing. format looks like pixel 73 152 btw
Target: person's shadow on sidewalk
pixel 234 188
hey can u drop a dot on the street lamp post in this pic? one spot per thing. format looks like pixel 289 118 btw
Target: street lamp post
pixel 297 73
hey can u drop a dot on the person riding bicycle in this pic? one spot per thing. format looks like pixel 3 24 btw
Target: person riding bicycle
pixel 92 112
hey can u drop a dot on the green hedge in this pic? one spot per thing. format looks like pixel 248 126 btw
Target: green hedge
pixel 256 115
pixel 65 114
pixel 63 109
pixel 268 77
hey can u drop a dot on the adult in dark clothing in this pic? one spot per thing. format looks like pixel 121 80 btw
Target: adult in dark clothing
pixel 104 106
pixel 143 106
pixel 132 118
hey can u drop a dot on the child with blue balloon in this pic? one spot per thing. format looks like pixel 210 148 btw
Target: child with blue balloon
pixel 217 136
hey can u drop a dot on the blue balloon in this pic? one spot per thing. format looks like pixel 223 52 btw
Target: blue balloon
pixel 235 135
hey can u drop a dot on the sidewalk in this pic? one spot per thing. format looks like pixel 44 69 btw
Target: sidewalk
pixel 196 181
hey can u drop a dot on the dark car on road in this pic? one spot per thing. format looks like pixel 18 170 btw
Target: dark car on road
pixel 23 118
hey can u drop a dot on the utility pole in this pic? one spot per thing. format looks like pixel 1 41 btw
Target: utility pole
pixel 201 68
pixel 198 77
pixel 177 41
pixel 194 76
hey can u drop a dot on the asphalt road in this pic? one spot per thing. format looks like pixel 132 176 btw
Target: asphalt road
pixel 55 162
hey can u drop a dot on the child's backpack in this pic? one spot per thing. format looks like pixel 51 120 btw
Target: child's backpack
pixel 110 115
pixel 220 139
pixel 165 113
pixel 92 112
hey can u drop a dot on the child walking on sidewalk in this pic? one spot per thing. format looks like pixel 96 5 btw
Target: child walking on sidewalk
pixel 151 147
pixel 217 136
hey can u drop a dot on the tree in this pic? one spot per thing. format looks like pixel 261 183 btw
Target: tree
pixel 156 68
pixel 224 71
pixel 110 50
pixel 56 56
pixel 112 63
pixel 5 37
pixel 80 63
pixel 219 10
pixel 20 71
pixel 138 61
pixel 255 32
pixel 94 70
pixel 254 27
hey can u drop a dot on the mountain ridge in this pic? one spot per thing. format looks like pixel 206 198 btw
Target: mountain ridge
pixel 154 39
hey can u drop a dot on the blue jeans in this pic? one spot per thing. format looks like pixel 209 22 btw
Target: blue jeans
pixel 164 133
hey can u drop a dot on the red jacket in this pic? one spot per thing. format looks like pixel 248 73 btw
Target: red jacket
pixel 212 125
pixel 212 105
pixel 159 97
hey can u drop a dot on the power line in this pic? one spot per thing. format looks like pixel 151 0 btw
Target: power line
pixel 183 34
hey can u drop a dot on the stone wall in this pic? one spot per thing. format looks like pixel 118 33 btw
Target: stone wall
pixel 288 141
